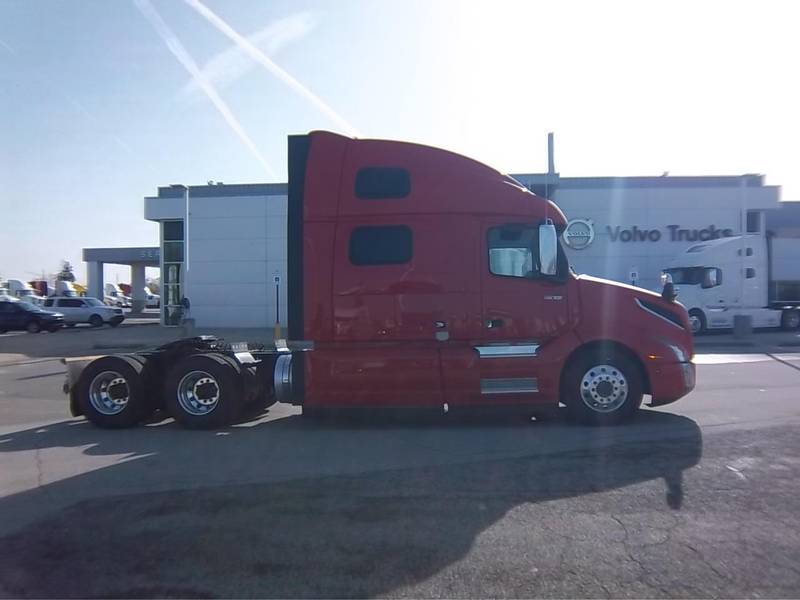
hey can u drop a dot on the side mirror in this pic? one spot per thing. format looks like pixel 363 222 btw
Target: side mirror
pixel 711 278
pixel 668 293
pixel 548 249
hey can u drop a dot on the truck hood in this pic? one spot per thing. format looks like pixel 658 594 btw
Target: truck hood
pixel 613 289
pixel 613 307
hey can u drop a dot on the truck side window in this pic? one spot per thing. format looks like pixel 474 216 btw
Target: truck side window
pixel 383 245
pixel 376 183
pixel 511 251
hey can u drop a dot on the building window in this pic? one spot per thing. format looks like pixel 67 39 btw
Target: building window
pixel 386 245
pixel 749 273
pixel 172 253
pixel 511 251
pixel 173 231
pixel 753 221
pixel 376 183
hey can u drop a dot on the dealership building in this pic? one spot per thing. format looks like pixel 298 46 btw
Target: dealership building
pixel 225 246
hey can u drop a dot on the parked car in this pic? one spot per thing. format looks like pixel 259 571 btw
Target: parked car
pixel 151 300
pixel 24 316
pixel 86 310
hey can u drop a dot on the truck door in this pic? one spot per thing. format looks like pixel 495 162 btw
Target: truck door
pixel 67 307
pixel 520 311
pixel 388 305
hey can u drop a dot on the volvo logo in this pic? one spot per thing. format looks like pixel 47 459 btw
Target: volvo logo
pixel 579 233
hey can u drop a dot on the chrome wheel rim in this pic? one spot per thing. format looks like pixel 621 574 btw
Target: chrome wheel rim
pixel 198 393
pixel 604 388
pixel 793 320
pixel 109 393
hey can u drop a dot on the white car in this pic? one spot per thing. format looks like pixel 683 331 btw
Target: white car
pixel 151 300
pixel 85 310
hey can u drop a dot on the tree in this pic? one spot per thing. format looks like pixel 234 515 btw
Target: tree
pixel 66 273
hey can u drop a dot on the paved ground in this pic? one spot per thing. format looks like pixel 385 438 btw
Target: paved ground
pixel 697 499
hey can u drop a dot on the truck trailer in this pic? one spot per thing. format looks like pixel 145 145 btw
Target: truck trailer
pixel 757 276
pixel 417 278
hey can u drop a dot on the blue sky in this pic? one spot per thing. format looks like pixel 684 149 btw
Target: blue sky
pixel 96 111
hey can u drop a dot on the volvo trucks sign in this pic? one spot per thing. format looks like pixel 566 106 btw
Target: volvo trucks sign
pixel 579 233
pixel 673 233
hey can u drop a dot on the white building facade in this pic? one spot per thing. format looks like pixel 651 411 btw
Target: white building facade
pixel 629 228
pixel 223 247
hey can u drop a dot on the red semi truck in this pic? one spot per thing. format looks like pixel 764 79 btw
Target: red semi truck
pixel 417 278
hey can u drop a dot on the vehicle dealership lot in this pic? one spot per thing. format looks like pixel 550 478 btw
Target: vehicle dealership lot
pixel 699 498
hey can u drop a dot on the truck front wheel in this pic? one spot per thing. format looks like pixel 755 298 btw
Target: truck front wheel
pixel 204 391
pixel 697 321
pixel 790 320
pixel 602 388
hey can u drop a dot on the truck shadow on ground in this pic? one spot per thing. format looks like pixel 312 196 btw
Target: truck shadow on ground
pixel 288 508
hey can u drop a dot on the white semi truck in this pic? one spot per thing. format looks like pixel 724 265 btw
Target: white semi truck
pixel 114 296
pixel 750 275
pixel 23 290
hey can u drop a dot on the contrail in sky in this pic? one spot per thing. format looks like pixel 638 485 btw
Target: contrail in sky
pixel 7 47
pixel 268 64
pixel 177 49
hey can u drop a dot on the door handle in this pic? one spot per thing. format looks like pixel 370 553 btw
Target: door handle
pixel 440 324
pixel 494 323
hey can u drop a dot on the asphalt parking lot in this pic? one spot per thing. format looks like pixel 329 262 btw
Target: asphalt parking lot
pixel 696 499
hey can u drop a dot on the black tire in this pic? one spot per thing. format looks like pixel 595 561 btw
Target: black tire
pixel 790 320
pixel 208 374
pixel 602 387
pixel 94 385
pixel 33 326
pixel 96 321
pixel 114 323
pixel 3 330
pixel 54 328
pixel 698 322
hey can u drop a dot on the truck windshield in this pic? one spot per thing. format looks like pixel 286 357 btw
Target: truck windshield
pixel 686 275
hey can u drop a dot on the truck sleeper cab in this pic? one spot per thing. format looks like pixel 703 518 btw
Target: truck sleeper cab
pixel 417 275
pixel 419 278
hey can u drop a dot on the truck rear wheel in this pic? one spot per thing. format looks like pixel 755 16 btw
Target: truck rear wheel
pixel 697 321
pixel 790 320
pixel 111 392
pixel 602 387
pixel 204 391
